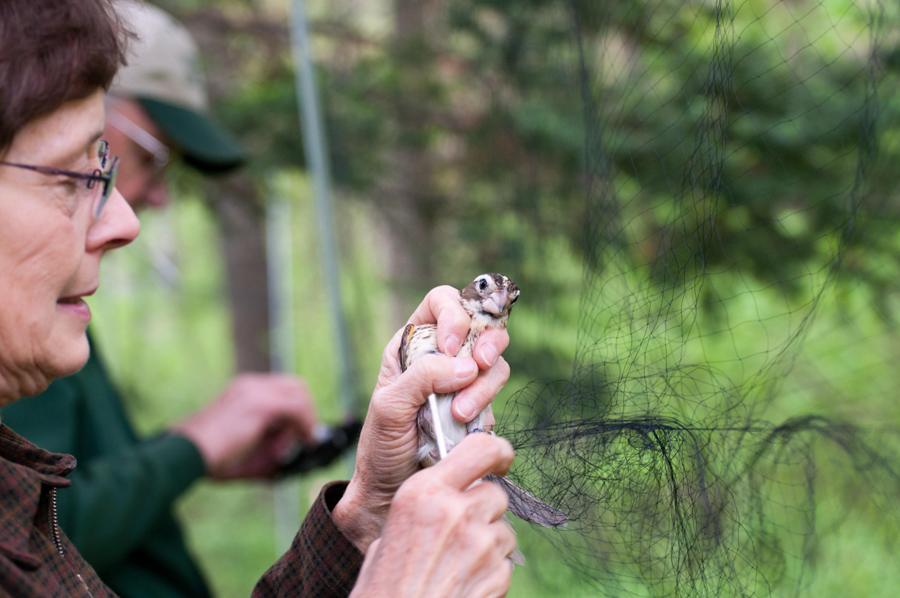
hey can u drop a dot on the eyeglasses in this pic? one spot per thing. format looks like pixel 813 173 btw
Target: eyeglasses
pixel 106 174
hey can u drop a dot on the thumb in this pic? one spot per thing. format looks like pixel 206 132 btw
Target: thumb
pixel 432 373
pixel 373 547
pixel 368 563
pixel 474 458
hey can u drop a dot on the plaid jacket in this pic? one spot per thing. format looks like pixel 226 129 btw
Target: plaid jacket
pixel 37 559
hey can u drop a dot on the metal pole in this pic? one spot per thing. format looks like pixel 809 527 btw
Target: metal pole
pixel 315 147
pixel 280 261
pixel 280 270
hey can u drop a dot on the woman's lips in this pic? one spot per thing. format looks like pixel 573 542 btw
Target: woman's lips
pixel 76 307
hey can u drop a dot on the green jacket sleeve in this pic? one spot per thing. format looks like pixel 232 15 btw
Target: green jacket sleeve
pixel 115 501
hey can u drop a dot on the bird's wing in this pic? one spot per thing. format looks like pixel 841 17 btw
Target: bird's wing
pixel 417 340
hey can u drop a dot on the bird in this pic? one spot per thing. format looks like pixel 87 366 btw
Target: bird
pixel 488 300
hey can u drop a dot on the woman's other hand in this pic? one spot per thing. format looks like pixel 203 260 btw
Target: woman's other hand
pixel 446 535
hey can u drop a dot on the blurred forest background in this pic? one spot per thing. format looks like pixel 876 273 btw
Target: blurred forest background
pixel 458 131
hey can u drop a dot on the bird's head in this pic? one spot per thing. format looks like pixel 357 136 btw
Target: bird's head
pixel 490 296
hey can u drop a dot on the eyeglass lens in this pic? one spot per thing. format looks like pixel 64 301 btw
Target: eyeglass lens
pixel 109 184
pixel 103 152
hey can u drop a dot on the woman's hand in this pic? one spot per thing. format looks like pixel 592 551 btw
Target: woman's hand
pixel 386 456
pixel 446 535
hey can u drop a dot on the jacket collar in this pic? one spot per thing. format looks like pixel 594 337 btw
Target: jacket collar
pixel 24 470
pixel 50 468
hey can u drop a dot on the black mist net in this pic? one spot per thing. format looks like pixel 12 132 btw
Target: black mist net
pixel 740 165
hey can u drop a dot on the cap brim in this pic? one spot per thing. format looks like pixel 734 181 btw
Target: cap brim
pixel 203 144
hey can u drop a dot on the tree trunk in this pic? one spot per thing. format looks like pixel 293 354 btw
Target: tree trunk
pixel 236 205
pixel 410 204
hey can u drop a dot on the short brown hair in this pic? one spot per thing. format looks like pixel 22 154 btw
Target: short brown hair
pixel 51 52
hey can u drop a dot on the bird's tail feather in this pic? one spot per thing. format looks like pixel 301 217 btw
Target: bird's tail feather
pixel 528 507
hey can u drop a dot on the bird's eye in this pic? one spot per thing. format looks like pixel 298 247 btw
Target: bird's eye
pixel 482 284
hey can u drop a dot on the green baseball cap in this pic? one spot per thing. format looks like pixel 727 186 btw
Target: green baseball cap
pixel 165 76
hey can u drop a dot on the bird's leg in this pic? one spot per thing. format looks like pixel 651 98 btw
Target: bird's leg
pixel 438 426
pixel 483 422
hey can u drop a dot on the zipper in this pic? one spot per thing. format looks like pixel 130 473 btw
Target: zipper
pixel 54 529
pixel 57 538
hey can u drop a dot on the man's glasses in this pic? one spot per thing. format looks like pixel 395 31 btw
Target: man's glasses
pixel 106 174
pixel 147 142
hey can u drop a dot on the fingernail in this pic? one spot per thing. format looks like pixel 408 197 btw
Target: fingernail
pixel 452 345
pixel 465 407
pixel 465 368
pixel 489 354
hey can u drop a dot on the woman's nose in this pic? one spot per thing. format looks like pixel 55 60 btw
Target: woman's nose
pixel 115 227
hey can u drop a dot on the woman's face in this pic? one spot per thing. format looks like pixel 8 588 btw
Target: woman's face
pixel 50 247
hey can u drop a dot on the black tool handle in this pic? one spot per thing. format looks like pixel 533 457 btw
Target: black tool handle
pixel 331 443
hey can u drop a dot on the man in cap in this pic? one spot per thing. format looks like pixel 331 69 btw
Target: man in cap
pixel 119 508
pixel 158 104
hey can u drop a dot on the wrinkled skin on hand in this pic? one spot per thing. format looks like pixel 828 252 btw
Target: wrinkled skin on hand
pixel 446 535
pixel 386 456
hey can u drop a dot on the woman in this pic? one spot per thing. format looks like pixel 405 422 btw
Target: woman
pixel 434 532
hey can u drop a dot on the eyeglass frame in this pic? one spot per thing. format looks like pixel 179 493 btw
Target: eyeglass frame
pixel 162 154
pixel 107 177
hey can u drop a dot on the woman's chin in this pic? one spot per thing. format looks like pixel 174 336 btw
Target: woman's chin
pixel 73 360
pixel 70 356
pixel 39 381
pixel 61 353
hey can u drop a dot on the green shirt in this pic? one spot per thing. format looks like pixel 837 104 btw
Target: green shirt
pixel 119 509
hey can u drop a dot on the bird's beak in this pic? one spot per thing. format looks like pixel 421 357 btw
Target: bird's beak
pixel 498 303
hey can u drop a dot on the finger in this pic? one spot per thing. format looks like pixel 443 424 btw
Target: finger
pixel 504 537
pixel 441 306
pixel 292 406
pixel 499 586
pixel 488 502
pixel 390 362
pixel 277 400
pixel 490 345
pixel 473 458
pixel 432 373
pixel 373 547
pixel 370 559
pixel 474 398
pixel 496 572
pixel 281 441
pixel 487 419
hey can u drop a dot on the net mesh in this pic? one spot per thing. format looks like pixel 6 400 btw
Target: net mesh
pixel 739 243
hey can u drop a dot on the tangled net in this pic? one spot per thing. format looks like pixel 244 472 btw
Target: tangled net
pixel 687 445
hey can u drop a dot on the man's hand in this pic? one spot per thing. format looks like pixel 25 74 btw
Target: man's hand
pixel 446 536
pixel 386 456
pixel 248 429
